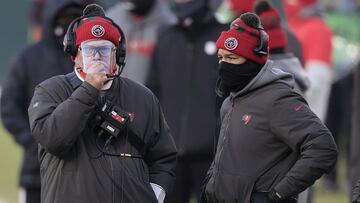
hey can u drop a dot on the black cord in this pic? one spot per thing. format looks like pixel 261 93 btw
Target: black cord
pixel 121 154
pixel 125 155
pixel 103 151
pixel 97 146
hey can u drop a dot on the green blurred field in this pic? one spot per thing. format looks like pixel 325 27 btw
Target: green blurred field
pixel 10 157
pixel 9 165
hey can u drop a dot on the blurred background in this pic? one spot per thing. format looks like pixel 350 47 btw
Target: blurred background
pixel 19 20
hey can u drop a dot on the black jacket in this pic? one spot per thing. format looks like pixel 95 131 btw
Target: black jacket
pixel 269 139
pixel 36 63
pixel 183 76
pixel 73 169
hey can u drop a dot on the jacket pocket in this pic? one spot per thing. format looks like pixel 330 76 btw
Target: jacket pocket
pixel 229 188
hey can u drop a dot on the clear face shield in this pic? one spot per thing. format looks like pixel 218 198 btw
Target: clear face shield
pixel 98 56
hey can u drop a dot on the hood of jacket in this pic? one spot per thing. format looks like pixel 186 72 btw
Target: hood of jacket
pixel 290 64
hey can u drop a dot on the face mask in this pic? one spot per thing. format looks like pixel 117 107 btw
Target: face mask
pixel 234 77
pixel 102 54
pixel 139 7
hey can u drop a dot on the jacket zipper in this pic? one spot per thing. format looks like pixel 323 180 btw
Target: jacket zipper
pixel 223 140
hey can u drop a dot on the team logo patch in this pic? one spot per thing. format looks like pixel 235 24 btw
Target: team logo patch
pixel 97 31
pixel 231 43
pixel 298 108
pixel 246 118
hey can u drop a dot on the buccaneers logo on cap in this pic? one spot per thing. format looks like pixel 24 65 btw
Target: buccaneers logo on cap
pixel 97 30
pixel 231 43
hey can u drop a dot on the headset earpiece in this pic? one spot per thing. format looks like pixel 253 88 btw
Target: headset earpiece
pixel 70 38
pixel 121 49
pixel 262 49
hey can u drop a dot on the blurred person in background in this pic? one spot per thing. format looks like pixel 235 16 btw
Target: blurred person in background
pixel 338 120
pixel 37 62
pixel 183 75
pixel 263 156
pixel 315 36
pixel 316 42
pixel 141 21
pixel 36 11
pixel 102 137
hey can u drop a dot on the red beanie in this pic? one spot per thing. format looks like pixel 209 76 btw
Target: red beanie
pixel 97 28
pixel 242 41
pixel 242 6
pixel 271 22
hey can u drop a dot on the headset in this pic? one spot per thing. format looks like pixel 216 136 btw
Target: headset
pixel 70 41
pixel 262 49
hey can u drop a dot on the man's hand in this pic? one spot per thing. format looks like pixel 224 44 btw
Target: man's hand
pixel 96 74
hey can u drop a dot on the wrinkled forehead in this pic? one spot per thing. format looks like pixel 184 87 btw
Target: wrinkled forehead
pixel 97 42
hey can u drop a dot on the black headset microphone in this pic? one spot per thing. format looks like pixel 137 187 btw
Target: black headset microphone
pixel 70 43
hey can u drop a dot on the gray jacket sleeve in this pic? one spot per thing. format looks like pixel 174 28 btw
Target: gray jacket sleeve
pixel 161 154
pixel 298 127
pixel 57 120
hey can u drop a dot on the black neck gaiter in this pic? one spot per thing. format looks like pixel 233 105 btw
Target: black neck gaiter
pixel 234 77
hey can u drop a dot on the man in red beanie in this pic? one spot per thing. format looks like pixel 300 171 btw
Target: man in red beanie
pixel 271 145
pixel 102 138
pixel 242 6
